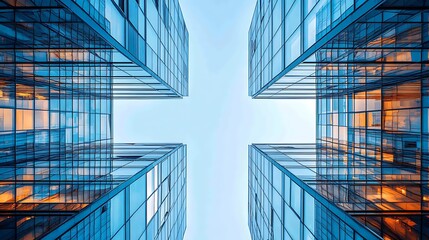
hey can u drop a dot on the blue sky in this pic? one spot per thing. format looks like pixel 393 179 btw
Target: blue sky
pixel 218 121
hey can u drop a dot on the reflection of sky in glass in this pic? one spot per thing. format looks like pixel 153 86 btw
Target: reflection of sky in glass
pixel 129 159
pixel 218 120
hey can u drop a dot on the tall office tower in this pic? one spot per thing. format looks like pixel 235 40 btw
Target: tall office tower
pixel 62 63
pixel 365 64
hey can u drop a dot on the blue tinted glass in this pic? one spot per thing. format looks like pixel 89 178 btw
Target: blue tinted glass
pixel 287 189
pixel 309 212
pixel 292 223
pixel 117 212
pixel 277 179
pixel 137 194
pixel 295 200
pixel 138 223
pixel 120 235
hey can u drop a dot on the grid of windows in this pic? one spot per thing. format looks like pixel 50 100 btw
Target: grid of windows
pixel 151 32
pixel 139 170
pixel 151 205
pixel 372 121
pixel 368 74
pixel 55 109
pixel 58 77
pixel 281 31
pixel 283 206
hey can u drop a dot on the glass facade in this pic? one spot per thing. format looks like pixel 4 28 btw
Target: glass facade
pixel 62 63
pixel 149 201
pixel 284 33
pixel 367 73
pixel 284 198
pixel 151 40
pixel 143 196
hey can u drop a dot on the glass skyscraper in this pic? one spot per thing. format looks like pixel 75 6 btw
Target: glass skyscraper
pixel 62 63
pixel 366 175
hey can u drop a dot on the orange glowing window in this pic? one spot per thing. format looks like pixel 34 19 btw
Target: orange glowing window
pixel 23 192
pixel 374 120
pixel 388 157
pixel 390 120
pixel 6 197
pixel 359 100
pixel 6 119
pixel 360 120
pixel 399 56
pixel 24 119
pixel 406 95
pixel 373 101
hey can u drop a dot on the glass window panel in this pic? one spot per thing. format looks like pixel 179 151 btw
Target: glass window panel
pixel 339 7
pixel 308 5
pixel 142 23
pixel 6 119
pixel 138 223
pixel 152 13
pixel 359 100
pixel 152 181
pixel 277 15
pixel 406 95
pixel 133 13
pixel 120 235
pixel 308 235
pixel 152 38
pixel 277 179
pixel 277 228
pixel 287 189
pixel 309 212
pixel 24 119
pixel 24 96
pixel 151 205
pixel 7 93
pixel 293 19
pixel 277 202
pixel 117 212
pixel 296 198
pixel 137 194
pixel 42 119
pixel 373 101
pixel 292 224
pixel 425 120
pixel 42 98
pixel 117 22
pixel 310 30
pixel 293 47
pixel 374 120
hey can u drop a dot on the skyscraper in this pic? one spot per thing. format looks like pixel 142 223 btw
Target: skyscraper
pixel 364 63
pixel 61 65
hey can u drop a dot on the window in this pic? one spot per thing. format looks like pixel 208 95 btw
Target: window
pixel 295 200
pixel 121 4
pixel 24 119
pixel 6 119
pixel 117 212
